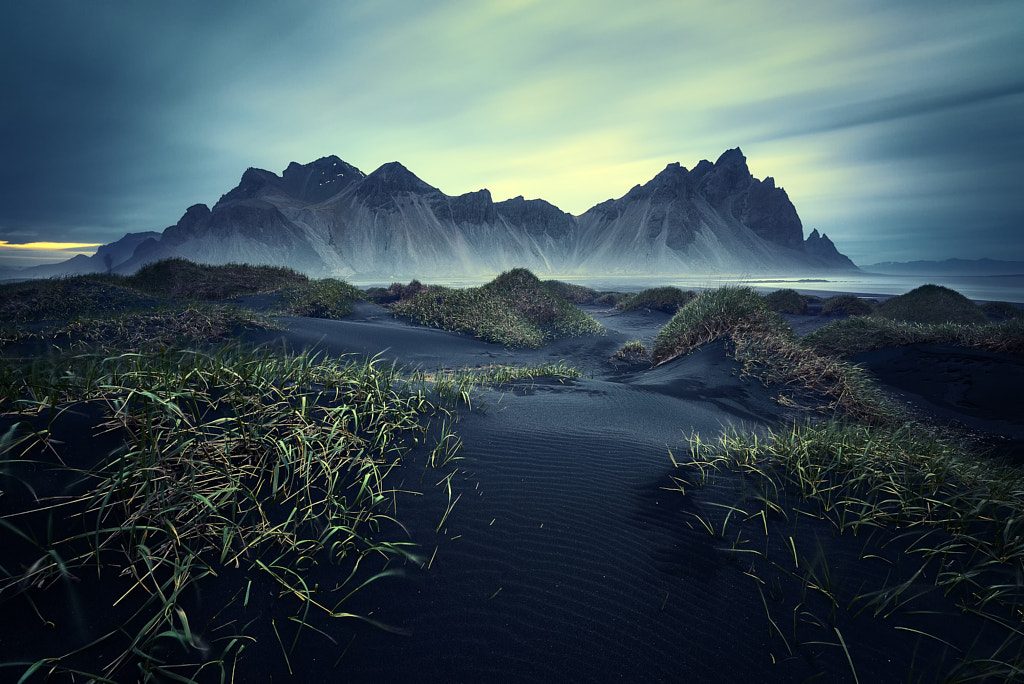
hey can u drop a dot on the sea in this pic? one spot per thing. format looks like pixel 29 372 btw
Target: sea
pixel 1003 288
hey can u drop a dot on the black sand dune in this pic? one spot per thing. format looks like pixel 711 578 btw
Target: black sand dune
pixel 565 558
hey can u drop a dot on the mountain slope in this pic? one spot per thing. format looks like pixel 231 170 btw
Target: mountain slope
pixel 715 218
pixel 329 218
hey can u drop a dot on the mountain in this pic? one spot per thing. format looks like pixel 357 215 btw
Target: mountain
pixel 716 218
pixel 967 267
pixel 329 218
pixel 105 259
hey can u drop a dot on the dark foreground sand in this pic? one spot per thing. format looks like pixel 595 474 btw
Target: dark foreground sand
pixel 980 390
pixel 566 559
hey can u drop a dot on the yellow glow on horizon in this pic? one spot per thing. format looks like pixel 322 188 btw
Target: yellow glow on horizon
pixel 4 244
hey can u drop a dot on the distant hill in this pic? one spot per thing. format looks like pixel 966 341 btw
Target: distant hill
pixel 975 267
pixel 105 259
pixel 329 218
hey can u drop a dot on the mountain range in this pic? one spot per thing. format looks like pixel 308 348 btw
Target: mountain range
pixel 328 218
pixel 947 267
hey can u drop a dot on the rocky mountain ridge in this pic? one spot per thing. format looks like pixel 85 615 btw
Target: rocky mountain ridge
pixel 328 218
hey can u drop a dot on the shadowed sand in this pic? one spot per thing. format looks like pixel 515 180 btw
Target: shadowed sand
pixel 565 558
pixel 981 390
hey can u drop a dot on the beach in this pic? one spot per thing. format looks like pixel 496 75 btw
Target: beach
pixel 568 557
pixel 576 536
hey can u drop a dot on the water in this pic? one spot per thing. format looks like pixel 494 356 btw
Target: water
pixel 978 288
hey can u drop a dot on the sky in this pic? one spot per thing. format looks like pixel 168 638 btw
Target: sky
pixel 895 126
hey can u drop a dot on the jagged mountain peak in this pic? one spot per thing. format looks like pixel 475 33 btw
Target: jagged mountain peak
pixel 537 216
pixel 253 182
pixel 328 218
pixel 728 176
pixel 312 182
pixel 396 177
pixel 329 166
pixel 672 174
pixel 733 157
pixel 382 187
pixel 320 179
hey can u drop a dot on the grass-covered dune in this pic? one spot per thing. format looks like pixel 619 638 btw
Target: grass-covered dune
pixel 515 309
pixel 667 299
pixel 856 335
pixel 787 301
pixel 766 346
pixel 846 304
pixel 183 279
pixel 171 302
pixel 713 313
pixel 177 509
pixel 931 304
pixel 205 466
pixel 941 525
pixel 930 314
pixel 572 292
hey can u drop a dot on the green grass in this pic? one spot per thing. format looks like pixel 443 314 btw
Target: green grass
pixel 767 349
pixel 928 315
pixel 634 350
pixel 847 304
pixel 168 303
pixel 322 298
pixel 1002 310
pixel 182 279
pixel 268 468
pixel 66 299
pixel 570 292
pixel 931 304
pixel 667 299
pixel 515 309
pixel 152 328
pixel 922 502
pixel 712 314
pixel 936 527
pixel 787 301
pixel 611 298
pixel 860 334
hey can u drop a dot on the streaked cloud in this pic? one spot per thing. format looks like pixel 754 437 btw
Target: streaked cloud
pixel 20 255
pixel 4 244
pixel 884 121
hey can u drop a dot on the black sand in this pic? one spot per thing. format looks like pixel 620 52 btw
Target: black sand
pixel 566 559
pixel 980 390
pixel 566 556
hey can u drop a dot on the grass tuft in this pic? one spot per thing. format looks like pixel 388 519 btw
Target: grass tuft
pixel 667 299
pixel 323 298
pixel 860 334
pixel 260 466
pixel 931 304
pixel 712 314
pixel 571 292
pixel 633 351
pixel 939 531
pixel 787 301
pixel 183 279
pixel 515 309
pixel 766 347
pixel 847 304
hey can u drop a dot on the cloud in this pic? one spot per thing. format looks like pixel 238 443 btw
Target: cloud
pixel 4 244
pixel 878 118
